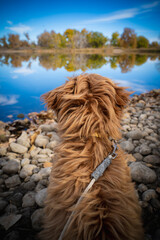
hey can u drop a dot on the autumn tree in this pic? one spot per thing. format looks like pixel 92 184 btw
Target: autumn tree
pixel 14 41
pixel 154 44
pixel 96 39
pixel 115 39
pixel 128 38
pixel 3 41
pixel 27 36
pixel 142 42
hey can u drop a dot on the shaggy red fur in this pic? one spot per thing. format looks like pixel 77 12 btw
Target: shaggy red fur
pixel 86 106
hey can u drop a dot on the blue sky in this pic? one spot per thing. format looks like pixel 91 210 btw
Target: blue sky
pixel 97 15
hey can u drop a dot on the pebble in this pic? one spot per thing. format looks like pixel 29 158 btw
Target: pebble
pixel 27 170
pixel 12 181
pixel 24 140
pixel 41 141
pixel 127 146
pixel 144 149
pixel 3 204
pixel 40 197
pixel 153 159
pixel 17 148
pixel 135 134
pixel 25 161
pixel 149 194
pixel 37 219
pixel 11 167
pixel 28 199
pixel 141 173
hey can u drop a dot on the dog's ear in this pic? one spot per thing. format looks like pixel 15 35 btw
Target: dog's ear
pixel 53 98
pixel 121 99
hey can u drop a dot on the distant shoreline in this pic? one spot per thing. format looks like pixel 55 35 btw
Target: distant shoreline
pixel 108 51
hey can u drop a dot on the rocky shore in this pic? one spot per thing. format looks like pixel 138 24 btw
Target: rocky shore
pixel 26 155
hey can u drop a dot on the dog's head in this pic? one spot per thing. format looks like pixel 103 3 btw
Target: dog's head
pixel 88 104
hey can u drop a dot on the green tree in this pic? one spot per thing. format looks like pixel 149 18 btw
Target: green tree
pixel 128 38
pixel 142 42
pixel 96 39
pixel 115 39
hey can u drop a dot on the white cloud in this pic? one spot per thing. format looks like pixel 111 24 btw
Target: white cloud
pixel 8 100
pixel 151 5
pixel 9 22
pixel 19 29
pixel 24 70
pixel 124 13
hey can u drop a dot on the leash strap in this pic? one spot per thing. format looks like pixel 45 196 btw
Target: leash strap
pixel 98 172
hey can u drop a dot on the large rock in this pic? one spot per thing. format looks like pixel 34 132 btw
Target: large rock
pixel 12 181
pixel 153 159
pixel 144 149
pixel 27 170
pixel 24 140
pixel 127 146
pixel 28 199
pixel 40 197
pixel 17 148
pixel 37 219
pixel 141 173
pixel 41 141
pixel 11 167
pixel 135 134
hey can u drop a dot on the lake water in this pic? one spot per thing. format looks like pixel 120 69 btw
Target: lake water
pixel 24 78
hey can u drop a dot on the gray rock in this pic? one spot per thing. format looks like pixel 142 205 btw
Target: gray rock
pixel 25 161
pixel 35 151
pixel 11 208
pixel 12 181
pixel 46 151
pixel 30 185
pixel 51 145
pixel 17 148
pixel 149 194
pixel 155 203
pixel 16 199
pixel 144 149
pixel 141 173
pixel 36 177
pixel 12 166
pixel 41 141
pixel 142 187
pixel 9 221
pixel 24 140
pixel 138 156
pixel 142 117
pixel 45 172
pixel 135 134
pixel 3 204
pixel 40 197
pixel 37 219
pixel 127 146
pixel 153 159
pixel 152 139
pixel 27 170
pixel 3 151
pixel 28 199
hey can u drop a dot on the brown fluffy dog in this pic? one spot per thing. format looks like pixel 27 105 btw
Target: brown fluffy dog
pixel 89 108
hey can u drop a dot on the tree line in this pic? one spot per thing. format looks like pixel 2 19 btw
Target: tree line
pixel 74 62
pixel 75 39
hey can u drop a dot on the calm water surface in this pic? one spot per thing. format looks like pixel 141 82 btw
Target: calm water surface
pixel 23 78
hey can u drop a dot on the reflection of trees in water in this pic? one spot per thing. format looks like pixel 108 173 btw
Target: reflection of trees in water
pixel 75 62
